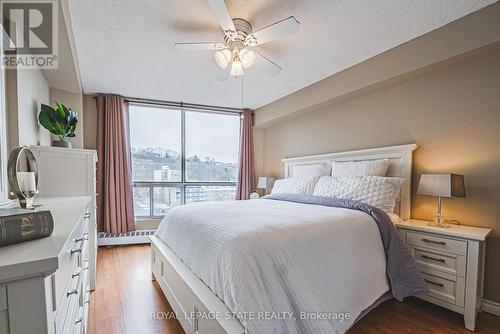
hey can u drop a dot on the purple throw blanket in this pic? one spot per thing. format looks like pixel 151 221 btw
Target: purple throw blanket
pixel 404 277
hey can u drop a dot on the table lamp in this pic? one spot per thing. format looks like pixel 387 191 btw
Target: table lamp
pixel 265 183
pixel 441 185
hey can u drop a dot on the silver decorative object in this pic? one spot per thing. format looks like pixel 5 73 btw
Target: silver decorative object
pixel 22 163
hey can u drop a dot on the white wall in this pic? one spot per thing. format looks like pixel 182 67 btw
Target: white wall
pixel 32 90
pixel 26 90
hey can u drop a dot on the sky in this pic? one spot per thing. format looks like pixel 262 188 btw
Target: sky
pixel 207 134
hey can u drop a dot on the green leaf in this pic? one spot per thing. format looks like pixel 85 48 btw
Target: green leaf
pixel 60 111
pixel 60 121
pixel 46 122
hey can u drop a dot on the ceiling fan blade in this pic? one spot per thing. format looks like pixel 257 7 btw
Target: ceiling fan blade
pixel 198 46
pixel 277 30
pixel 223 73
pixel 267 65
pixel 226 22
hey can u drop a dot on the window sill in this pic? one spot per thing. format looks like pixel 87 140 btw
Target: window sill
pixel 147 223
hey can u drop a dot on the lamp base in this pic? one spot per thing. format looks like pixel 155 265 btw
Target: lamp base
pixel 26 203
pixel 441 225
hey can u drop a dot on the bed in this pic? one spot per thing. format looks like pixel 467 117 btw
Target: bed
pixel 274 265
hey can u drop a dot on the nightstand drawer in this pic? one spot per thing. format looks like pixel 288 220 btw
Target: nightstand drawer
pixel 450 289
pixel 438 243
pixel 446 262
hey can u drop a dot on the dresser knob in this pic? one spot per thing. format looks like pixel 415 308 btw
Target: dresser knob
pixel 73 251
pixel 434 283
pixel 433 258
pixel 434 242
pixel 84 237
pixel 71 292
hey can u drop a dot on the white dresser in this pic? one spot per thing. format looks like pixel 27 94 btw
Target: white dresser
pixel 452 263
pixel 45 283
pixel 70 172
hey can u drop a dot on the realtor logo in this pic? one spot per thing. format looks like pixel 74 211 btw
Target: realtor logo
pixel 29 30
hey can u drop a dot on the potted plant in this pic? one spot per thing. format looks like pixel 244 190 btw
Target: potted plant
pixel 60 121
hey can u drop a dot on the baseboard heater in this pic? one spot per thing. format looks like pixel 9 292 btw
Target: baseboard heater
pixel 129 238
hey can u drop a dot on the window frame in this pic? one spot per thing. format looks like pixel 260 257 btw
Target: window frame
pixel 183 183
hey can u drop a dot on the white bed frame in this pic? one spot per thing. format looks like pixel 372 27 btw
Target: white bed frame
pixel 400 165
pixel 192 300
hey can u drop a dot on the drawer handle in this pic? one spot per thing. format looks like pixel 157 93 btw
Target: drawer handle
pixel 78 320
pixel 73 251
pixel 76 274
pixel 434 283
pixel 71 292
pixel 84 237
pixel 87 215
pixel 434 242
pixel 433 258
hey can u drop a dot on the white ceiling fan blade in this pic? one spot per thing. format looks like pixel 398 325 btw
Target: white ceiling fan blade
pixel 223 73
pixel 198 46
pixel 277 30
pixel 267 65
pixel 226 22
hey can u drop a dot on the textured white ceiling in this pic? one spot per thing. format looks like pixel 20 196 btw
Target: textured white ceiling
pixel 125 46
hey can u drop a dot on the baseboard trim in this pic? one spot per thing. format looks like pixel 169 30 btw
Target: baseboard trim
pixel 130 238
pixel 491 307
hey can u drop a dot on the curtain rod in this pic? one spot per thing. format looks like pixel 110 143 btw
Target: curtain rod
pixel 201 107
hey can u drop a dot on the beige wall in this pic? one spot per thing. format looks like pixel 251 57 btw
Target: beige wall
pixel 454 117
pixel 73 101
pixel 452 44
pixel 90 122
pixel 26 90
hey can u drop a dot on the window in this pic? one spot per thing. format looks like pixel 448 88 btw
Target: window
pixel 181 156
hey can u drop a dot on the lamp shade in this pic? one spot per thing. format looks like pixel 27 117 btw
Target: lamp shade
pixel 443 185
pixel 265 183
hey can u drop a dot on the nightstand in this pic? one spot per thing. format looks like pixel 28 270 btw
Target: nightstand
pixel 452 263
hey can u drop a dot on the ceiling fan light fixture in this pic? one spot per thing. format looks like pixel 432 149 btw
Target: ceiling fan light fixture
pixel 222 57
pixel 247 58
pixel 236 69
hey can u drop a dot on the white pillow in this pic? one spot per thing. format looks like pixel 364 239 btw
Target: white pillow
pixel 377 191
pixel 312 170
pixel 360 168
pixel 295 185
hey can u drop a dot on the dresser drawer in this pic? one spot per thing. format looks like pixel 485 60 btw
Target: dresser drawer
pixel 62 278
pixel 73 307
pixel 70 296
pixel 436 242
pixel 69 261
pixel 442 261
pixel 448 288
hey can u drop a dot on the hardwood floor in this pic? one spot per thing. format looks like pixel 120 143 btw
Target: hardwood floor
pixel 125 296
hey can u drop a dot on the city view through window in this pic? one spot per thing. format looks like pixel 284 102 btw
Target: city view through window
pixel 162 178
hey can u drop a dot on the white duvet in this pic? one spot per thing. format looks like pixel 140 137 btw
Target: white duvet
pixel 281 265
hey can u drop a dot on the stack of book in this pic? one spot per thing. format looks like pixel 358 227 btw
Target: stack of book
pixel 19 225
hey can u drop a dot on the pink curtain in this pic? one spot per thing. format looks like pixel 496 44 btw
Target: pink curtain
pixel 246 174
pixel 115 212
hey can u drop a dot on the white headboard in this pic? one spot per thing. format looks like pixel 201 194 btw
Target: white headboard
pixel 400 164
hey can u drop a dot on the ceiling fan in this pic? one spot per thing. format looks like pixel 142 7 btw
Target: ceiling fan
pixel 235 54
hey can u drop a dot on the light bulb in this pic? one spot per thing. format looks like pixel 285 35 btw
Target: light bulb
pixel 247 58
pixel 222 57
pixel 236 68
